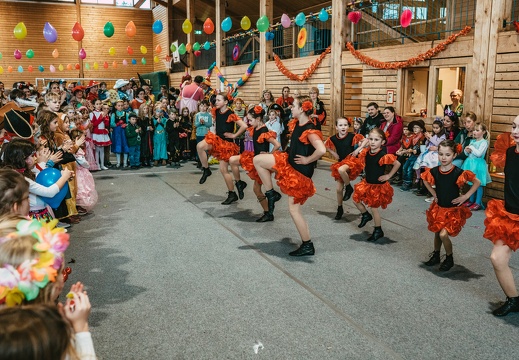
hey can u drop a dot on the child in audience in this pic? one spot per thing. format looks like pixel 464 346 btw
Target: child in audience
pixel 160 152
pixel 118 123
pixel 86 197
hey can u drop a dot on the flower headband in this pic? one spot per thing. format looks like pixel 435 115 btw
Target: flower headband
pixel 25 281
pixel 439 119
pixel 449 112
pixel 257 109
pixel 307 105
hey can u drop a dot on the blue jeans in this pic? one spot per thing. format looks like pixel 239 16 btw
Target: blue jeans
pixel 407 172
pixel 135 154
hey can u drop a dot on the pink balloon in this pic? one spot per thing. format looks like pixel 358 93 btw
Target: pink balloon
pixel 355 16
pixel 82 54
pixel 406 17
pixel 17 54
pixel 285 21
pixel 125 62
pixel 52 69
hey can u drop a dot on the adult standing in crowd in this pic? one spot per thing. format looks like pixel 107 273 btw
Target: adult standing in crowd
pixel 393 126
pixel 373 119
pixel 456 105
pixel 266 100
pixel 164 93
pixel 191 94
pixel 285 101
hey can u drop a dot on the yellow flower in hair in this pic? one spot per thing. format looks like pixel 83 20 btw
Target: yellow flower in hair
pixel 14 297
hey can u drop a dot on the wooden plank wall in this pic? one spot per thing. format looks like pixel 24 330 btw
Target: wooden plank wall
pixel 63 18
pixel 352 93
pixel 161 13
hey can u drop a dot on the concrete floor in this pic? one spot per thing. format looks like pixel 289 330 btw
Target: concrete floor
pixel 172 274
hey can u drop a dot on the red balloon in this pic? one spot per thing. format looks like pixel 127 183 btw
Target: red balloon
pixel 30 68
pixel 105 65
pixel 198 53
pixel 77 66
pixel 130 50
pixel 405 19
pixel 208 26
pixel 77 32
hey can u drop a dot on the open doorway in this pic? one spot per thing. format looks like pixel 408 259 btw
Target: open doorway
pixel 415 92
pixel 449 79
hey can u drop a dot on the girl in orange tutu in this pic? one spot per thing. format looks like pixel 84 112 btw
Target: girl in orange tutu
pixel 261 140
pixel 347 168
pixel 221 144
pixel 294 170
pixel 502 222
pixel 374 190
pixel 446 216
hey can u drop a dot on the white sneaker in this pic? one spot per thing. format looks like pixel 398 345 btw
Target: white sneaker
pixel 104 168
pixel 429 199
pixel 63 225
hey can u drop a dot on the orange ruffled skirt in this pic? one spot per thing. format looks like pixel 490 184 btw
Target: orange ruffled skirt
pixel 354 164
pixel 246 162
pixel 501 225
pixel 373 195
pixel 221 149
pixel 451 219
pixel 291 181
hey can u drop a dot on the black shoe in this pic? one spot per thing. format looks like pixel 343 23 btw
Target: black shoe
pixel 422 192
pixel 340 212
pixel 306 248
pixel 434 259
pixel 205 175
pixel 366 217
pixel 511 305
pixel 266 217
pixel 447 263
pixel 347 192
pixel 377 234
pixel 232 197
pixel 198 165
pixel 272 196
pixel 240 185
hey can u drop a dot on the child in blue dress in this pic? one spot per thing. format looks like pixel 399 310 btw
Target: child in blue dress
pixel 476 163
pixel 160 151
pixel 118 123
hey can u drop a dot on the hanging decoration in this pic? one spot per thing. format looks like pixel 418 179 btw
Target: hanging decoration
pixel 236 52
pixel 20 31
pixel 108 29
pixel 55 53
pixel 269 35
pixel 301 38
pixel 208 26
pixel 77 32
pixel 232 88
pixel 355 16
pixel 285 21
pixel 158 49
pixel 245 23
pixel 196 46
pixel 263 23
pixel 17 54
pixel 157 27
pixel 30 68
pixel 300 19
pixel 323 15
pixel 307 73
pixel 412 61
pixel 130 29
pixel 129 50
pixel 82 54
pixel 226 24
pixel 29 53
pixel 406 17
pixel 49 33
pixel 186 26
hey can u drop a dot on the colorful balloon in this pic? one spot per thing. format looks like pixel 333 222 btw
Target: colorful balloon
pixel 226 24
pixel 355 16
pixel 245 23
pixel 198 53
pixel 96 65
pixel 20 31
pixel 156 59
pixel 87 66
pixel 158 49
pixel 41 68
pixel 186 26
pixel 30 68
pixel 1 56
pixel 1 70
pixel 76 66
pixel 263 23
pixel 301 38
pixel 109 30
pixel 269 35
pixel 125 62
pixel 114 64
pixel 29 53
pixel 157 27
pixel 300 19
pixel 207 45
pixel 49 33
pixel 208 26
pixel 172 47
pixel 111 51
pixel 285 21
pixel 77 32
pixel 182 49
pixel 60 67
pixel 10 69
pixel 130 29
pixel 196 46
pixel 134 62
pixel 144 50
pixel 143 61
pixel 405 19
pixel 323 15
pixel 69 67
pixel 17 54
pixel 49 177
pixel 20 69
pixel 129 50
pixel 105 65
pixel 188 47
pixel 82 54
pixel 55 53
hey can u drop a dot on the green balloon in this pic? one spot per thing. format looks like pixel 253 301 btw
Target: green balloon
pixel 143 61
pixel 173 48
pixel 0 56
pixel 196 46
pixel 263 23
pixel 29 54
pixel 109 29
pixel 87 66
pixel 182 49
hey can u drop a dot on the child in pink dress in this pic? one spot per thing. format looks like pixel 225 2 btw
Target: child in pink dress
pixel 86 190
pixel 85 127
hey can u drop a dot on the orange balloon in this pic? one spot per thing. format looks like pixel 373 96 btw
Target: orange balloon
pixel 69 66
pixel 55 53
pixel 10 69
pixel 130 29
pixel 30 68
pixel 158 49
pixel 114 64
pixel 105 65
pixel 188 47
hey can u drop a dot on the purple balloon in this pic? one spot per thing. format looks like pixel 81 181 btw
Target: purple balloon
pixel 49 33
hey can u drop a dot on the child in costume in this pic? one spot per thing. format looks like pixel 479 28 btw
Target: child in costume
pixel 294 169
pixel 274 123
pixel 85 125
pixel 86 197
pixel 445 216
pixel 173 130
pixel 221 145
pixel 319 114
pixel 347 168
pixel 147 128
pixel 262 139
pixel 502 222
pixel 133 135
pixel 357 125
pixel 241 112
pixel 476 163
pixel 374 190
pixel 403 154
pixel 118 123
pixel 100 130
pixel 160 142
pixel 203 122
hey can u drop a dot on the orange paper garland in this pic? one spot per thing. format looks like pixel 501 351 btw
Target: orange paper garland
pixel 412 61
pixel 307 73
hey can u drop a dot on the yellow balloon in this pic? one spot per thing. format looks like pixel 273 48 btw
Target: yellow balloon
pixel 60 67
pixel 144 50
pixel 96 66
pixel 245 23
pixel 186 26
pixel 156 59
pixel 111 51
pixel 20 31
pixel 1 70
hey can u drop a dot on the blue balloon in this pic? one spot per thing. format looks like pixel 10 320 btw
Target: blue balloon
pixel 134 62
pixel 207 45
pixel 323 15
pixel 300 19
pixel 269 35
pixel 41 68
pixel 47 178
pixel 157 27
pixel 226 24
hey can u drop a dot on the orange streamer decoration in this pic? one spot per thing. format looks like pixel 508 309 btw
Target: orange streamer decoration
pixel 308 72
pixel 412 61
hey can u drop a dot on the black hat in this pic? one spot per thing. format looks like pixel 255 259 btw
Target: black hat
pixel 276 107
pixel 18 123
pixel 414 123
